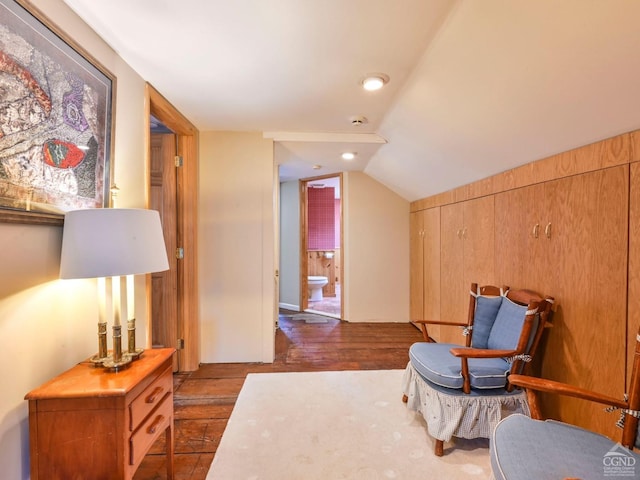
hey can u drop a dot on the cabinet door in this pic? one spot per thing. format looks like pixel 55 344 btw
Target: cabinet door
pixel 519 232
pixel 479 243
pixel 633 319
pixel 431 264
pixel 416 276
pixel 586 271
pixel 425 267
pixel 466 255
pixel 453 292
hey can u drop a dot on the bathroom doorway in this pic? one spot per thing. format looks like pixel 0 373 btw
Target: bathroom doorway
pixel 321 252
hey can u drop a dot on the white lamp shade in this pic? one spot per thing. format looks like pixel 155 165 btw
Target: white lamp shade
pixel 106 242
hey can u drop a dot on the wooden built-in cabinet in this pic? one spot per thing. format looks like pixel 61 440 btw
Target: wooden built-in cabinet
pixel 573 232
pixel 571 238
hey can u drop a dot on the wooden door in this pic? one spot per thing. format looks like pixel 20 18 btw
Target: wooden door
pixel 587 273
pixel 164 296
pixel 187 227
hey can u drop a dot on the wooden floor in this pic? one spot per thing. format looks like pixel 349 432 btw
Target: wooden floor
pixel 205 398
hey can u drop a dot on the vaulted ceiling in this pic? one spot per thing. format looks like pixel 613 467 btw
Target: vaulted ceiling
pixel 476 86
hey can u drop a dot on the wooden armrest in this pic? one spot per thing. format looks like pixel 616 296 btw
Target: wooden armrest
pixel 550 386
pixel 438 322
pixel 481 352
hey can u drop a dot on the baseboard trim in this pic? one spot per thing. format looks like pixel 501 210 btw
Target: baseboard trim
pixel 289 306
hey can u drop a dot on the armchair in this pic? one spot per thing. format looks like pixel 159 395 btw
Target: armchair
pixel 522 448
pixel 463 391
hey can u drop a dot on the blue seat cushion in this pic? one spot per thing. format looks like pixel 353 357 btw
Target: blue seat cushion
pixel 434 363
pixel 523 449
pixel 507 328
pixel 483 319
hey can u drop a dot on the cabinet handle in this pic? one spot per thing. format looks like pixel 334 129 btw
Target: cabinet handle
pixel 459 233
pixel 464 233
pixel 154 426
pixel 547 230
pixel 536 230
pixel 153 396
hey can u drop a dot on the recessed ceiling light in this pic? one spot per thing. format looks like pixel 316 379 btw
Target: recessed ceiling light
pixel 348 155
pixel 375 81
pixel 317 167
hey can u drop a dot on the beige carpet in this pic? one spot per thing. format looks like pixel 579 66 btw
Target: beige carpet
pixel 335 425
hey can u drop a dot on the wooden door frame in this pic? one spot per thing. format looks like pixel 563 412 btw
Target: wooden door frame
pixel 187 223
pixel 304 264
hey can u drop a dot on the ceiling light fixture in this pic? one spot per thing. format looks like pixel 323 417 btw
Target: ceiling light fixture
pixel 317 167
pixel 375 81
pixel 349 155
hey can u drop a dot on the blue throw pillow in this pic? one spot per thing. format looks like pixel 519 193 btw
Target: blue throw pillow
pixel 507 328
pixel 485 314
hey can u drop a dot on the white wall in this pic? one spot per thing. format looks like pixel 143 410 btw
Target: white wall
pixel 290 245
pixel 47 325
pixel 376 263
pixel 236 247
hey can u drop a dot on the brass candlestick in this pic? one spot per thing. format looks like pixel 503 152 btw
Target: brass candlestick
pixel 117 361
pixel 99 358
pixel 133 352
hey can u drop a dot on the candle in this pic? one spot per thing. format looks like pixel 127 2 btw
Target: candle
pixel 131 299
pixel 117 307
pixel 102 300
pixel 124 303
pixel 108 303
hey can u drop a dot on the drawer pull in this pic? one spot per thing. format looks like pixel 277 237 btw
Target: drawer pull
pixel 154 426
pixel 153 396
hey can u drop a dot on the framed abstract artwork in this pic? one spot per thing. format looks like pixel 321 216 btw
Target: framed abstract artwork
pixel 55 121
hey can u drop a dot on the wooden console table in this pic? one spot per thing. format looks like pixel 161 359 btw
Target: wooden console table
pixel 91 423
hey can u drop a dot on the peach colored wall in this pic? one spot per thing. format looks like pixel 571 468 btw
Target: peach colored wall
pixel 47 325
pixel 236 247
pixel 376 258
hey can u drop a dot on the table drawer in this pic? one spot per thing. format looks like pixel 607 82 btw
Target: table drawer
pixel 144 403
pixel 150 430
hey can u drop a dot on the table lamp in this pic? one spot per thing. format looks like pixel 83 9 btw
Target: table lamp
pixel 112 245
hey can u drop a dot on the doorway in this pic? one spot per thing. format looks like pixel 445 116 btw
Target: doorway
pixel 176 326
pixel 321 251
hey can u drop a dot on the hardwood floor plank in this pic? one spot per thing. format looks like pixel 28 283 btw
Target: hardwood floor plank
pixel 187 467
pixel 205 388
pixel 204 399
pixel 199 409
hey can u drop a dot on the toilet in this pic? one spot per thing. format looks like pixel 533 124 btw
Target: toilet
pixel 315 287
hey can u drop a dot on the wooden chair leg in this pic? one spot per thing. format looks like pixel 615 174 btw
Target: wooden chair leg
pixel 405 399
pixel 439 448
